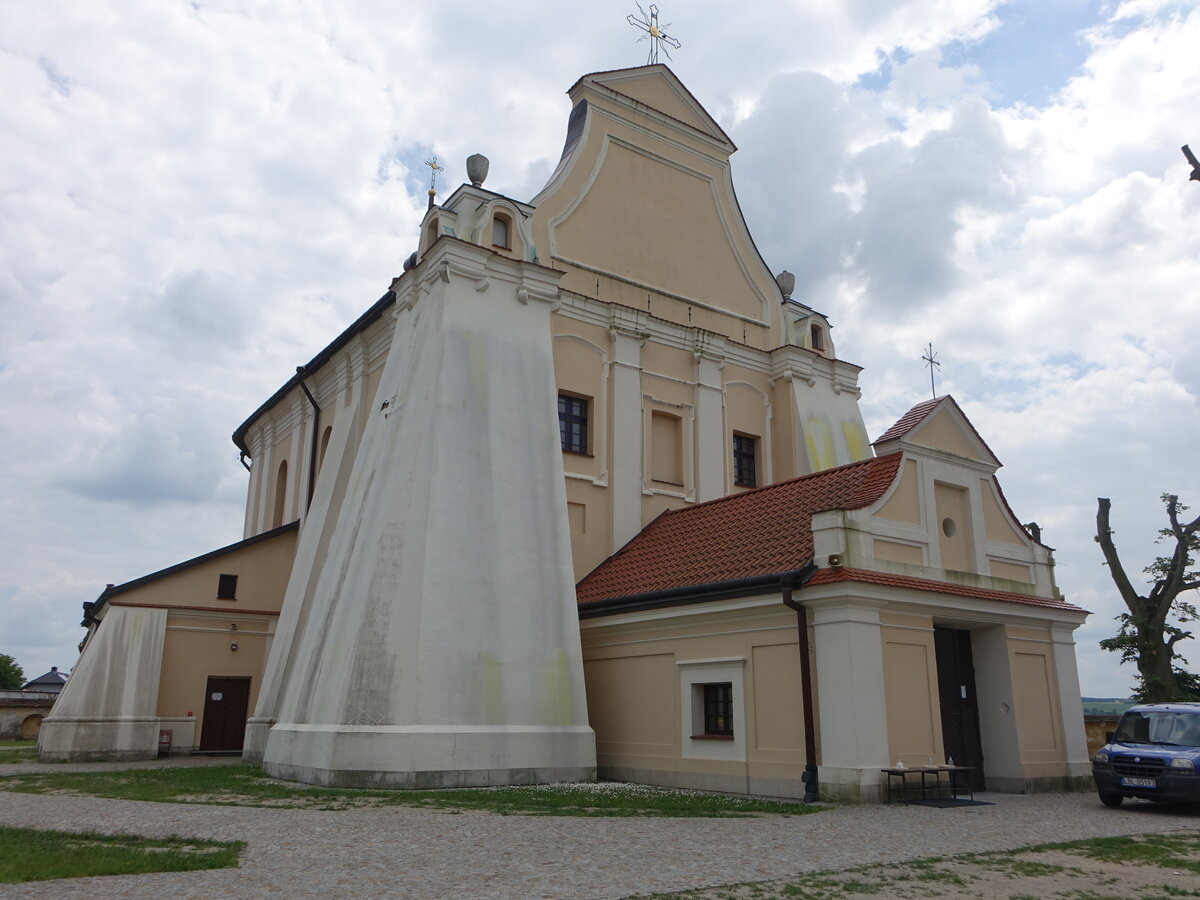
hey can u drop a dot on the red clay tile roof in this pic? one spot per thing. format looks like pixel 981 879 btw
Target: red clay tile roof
pixel 831 576
pixel 909 420
pixel 917 414
pixel 758 532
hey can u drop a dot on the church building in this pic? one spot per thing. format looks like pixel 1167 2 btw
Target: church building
pixel 707 575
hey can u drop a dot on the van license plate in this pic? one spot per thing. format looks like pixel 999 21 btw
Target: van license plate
pixel 1139 782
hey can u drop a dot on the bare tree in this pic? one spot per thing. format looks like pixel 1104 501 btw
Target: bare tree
pixel 1148 636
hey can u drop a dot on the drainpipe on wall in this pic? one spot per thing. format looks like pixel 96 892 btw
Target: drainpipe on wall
pixel 242 459
pixel 316 432
pixel 810 731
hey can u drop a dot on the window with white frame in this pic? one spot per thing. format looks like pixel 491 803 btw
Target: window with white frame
pixel 713 705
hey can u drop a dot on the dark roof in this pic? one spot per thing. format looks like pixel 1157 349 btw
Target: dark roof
pixel 747 535
pixel 358 325
pixel 51 678
pixel 90 609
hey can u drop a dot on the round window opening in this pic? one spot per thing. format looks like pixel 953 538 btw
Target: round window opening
pixel 949 529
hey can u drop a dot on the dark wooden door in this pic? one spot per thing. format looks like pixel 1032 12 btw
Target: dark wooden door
pixel 960 706
pixel 226 706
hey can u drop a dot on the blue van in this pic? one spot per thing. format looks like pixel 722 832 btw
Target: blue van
pixel 1154 754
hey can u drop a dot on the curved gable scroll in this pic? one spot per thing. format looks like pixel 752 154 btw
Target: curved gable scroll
pixel 652 223
pixel 641 210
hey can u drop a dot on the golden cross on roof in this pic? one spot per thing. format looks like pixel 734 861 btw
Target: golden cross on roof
pixel 931 362
pixel 659 39
pixel 434 168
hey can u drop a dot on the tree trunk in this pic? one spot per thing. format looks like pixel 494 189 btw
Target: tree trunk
pixel 1146 626
pixel 1155 665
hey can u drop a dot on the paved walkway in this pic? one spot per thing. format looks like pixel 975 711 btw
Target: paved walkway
pixel 404 852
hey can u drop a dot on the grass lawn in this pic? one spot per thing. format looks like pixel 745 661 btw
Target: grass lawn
pixel 247 786
pixel 27 855
pixel 18 751
pixel 1151 867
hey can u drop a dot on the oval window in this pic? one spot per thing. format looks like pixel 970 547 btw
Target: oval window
pixel 949 529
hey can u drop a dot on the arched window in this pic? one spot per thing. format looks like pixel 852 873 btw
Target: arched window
pixel 500 230
pixel 280 495
pixel 817 336
pixel 431 234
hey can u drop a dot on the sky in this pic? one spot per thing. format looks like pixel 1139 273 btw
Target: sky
pixel 195 197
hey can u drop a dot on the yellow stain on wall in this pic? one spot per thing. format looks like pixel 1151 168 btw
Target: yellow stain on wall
pixel 857 441
pixel 556 689
pixel 819 439
pixel 489 689
pixel 477 368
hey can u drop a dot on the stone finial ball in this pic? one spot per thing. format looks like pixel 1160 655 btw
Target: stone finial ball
pixel 787 283
pixel 477 168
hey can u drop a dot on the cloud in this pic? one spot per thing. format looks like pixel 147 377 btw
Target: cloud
pixel 195 197
pixel 151 460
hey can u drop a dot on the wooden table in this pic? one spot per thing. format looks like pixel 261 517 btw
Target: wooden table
pixel 956 784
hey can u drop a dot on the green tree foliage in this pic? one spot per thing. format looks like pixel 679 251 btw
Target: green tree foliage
pixel 12 676
pixel 1151 629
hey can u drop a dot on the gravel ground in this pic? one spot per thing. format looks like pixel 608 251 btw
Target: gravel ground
pixel 405 852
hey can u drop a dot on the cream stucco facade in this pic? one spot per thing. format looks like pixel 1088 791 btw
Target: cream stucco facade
pixel 878 697
pixel 417 454
pixel 702 349
pixel 154 644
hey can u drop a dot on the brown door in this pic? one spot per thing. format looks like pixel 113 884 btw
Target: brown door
pixel 226 706
pixel 960 709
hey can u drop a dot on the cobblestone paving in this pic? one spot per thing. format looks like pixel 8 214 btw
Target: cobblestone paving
pixel 405 852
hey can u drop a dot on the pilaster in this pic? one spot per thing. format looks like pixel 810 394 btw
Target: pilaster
pixel 297 462
pixel 1067 678
pixel 710 424
pixel 265 459
pixel 851 697
pixel 625 472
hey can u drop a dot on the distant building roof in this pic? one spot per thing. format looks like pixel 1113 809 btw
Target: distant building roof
pixel 51 682
pixel 761 532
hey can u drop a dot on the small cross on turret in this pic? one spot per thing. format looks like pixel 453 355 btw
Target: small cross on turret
pixel 434 168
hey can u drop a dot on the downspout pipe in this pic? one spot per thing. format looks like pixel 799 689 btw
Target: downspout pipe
pixel 316 431
pixel 810 730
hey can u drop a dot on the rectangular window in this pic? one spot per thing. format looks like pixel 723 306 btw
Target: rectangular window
pixel 500 232
pixel 666 448
pixel 573 423
pixel 718 709
pixel 226 587
pixel 744 453
pixel 817 337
